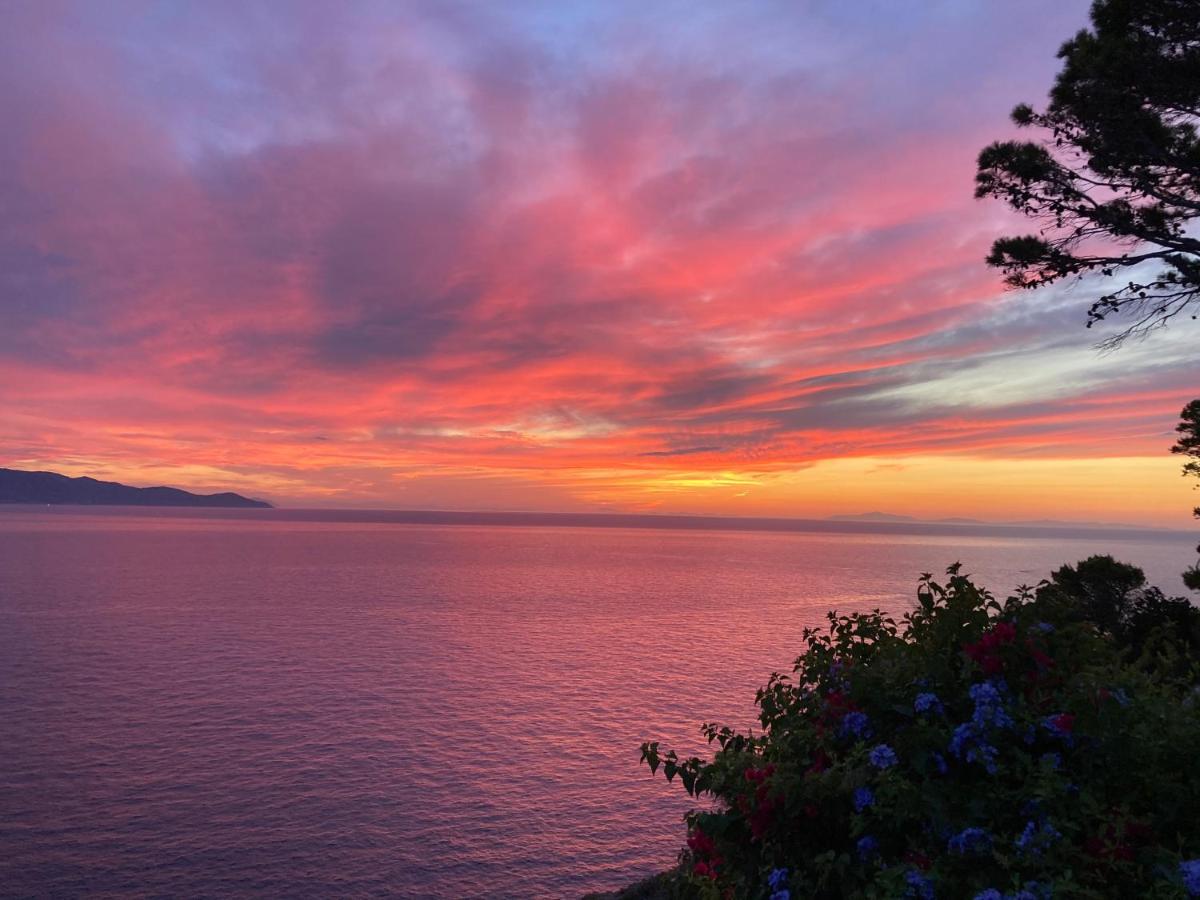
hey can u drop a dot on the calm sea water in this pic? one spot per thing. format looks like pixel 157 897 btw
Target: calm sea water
pixel 255 705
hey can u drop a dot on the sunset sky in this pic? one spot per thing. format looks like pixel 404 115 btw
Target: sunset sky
pixel 655 257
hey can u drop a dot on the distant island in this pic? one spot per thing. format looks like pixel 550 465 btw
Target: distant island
pixel 872 517
pixel 51 488
pixel 894 518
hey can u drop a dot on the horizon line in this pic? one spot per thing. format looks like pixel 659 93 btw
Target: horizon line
pixel 838 523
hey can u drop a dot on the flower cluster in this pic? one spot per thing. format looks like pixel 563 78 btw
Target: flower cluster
pixel 1031 891
pixel 856 725
pixel 863 798
pixel 981 750
pixel 970 840
pixel 882 756
pixel 986 652
pixel 704 849
pixel 1189 872
pixel 919 887
pixel 1036 836
pixel 928 703
pixel 761 810
pixel 971 740
pixel 777 883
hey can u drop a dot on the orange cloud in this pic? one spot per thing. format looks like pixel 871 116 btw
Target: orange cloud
pixel 526 264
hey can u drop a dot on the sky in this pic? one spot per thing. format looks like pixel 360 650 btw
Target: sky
pixel 642 257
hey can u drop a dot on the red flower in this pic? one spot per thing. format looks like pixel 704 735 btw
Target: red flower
pixel 758 776
pixel 920 860
pixel 701 843
pixel 1063 723
pixel 838 705
pixel 986 651
pixel 764 813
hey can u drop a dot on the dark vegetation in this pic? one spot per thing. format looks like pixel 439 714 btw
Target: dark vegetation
pixel 1113 179
pixel 52 488
pixel 664 886
pixel 1189 446
pixel 1041 745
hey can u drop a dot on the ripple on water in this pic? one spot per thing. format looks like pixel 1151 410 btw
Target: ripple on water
pixel 306 709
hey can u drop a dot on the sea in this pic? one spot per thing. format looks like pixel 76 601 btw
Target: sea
pixel 292 703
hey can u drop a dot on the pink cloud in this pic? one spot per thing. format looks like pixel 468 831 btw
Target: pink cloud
pixel 451 247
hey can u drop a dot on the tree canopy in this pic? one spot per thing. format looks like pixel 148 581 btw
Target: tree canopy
pixel 1114 179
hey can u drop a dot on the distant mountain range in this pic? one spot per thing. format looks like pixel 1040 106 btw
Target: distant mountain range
pixel 958 520
pixel 51 488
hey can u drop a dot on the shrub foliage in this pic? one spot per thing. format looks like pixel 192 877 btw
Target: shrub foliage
pixel 1043 745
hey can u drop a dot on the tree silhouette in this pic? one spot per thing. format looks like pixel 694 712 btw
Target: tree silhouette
pixel 1189 445
pixel 1114 181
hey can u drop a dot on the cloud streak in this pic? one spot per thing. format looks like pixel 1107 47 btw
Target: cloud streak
pixel 529 256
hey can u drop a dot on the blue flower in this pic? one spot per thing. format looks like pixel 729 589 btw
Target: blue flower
pixel 989 706
pixel 967 743
pixel 969 739
pixel 784 894
pixel 856 724
pixel 882 756
pixel 963 736
pixel 984 753
pixel 867 846
pixel 939 763
pixel 1190 871
pixel 985 693
pixel 777 879
pixel 970 840
pixel 919 887
pixel 1043 627
pixel 1027 836
pixel 1036 837
pixel 927 703
pixel 863 797
pixel 989 894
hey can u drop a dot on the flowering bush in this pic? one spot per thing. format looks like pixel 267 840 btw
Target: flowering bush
pixel 976 749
